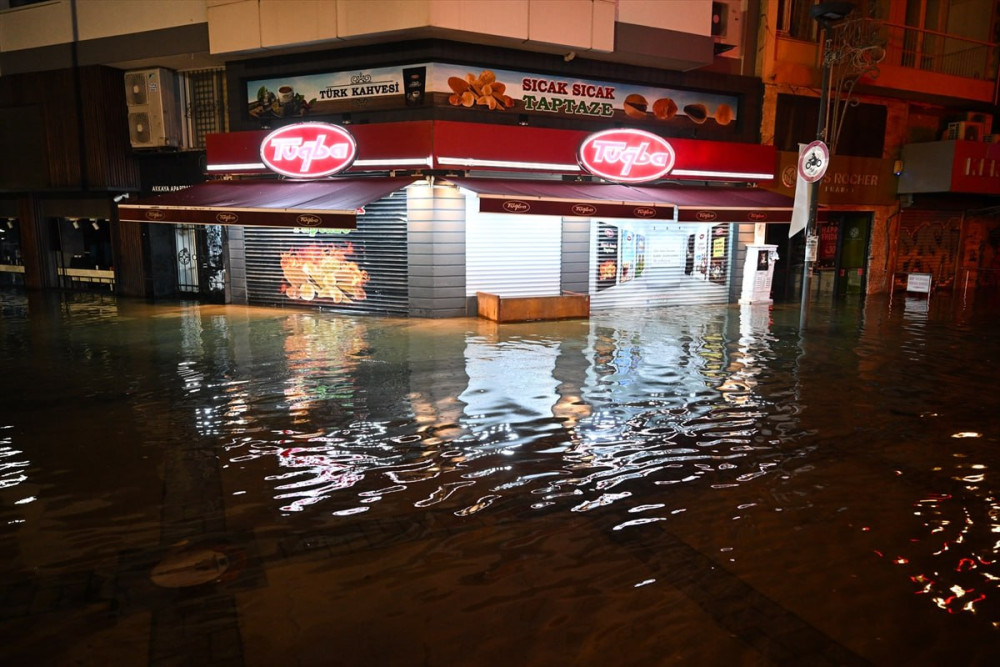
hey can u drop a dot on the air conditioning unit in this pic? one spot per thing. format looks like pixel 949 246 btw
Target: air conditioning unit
pixel 727 27
pixel 153 110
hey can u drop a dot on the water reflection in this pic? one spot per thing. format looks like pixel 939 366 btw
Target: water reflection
pixel 881 423
pixel 578 415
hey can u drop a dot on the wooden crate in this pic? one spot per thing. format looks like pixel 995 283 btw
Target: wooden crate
pixel 526 308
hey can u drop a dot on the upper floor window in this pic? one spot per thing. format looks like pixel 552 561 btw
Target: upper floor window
pixel 11 4
pixel 862 133
pixel 794 19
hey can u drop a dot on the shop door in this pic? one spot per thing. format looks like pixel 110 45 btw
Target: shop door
pixel 786 283
pixel 186 244
pixel 853 265
pixel 643 264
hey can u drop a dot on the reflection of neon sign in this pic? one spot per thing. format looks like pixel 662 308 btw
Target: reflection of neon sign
pixel 323 272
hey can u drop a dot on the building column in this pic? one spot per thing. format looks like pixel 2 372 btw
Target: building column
pixel 35 242
pixel 436 251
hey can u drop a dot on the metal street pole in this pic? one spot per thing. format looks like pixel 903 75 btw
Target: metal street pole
pixel 825 14
pixel 824 97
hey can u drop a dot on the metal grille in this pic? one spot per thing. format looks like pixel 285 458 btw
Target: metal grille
pixel 929 243
pixel 186 246
pixel 205 111
pixel 363 270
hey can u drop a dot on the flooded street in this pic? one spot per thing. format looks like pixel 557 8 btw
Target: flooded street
pixel 186 484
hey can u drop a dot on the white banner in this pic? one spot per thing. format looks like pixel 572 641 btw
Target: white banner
pixel 800 208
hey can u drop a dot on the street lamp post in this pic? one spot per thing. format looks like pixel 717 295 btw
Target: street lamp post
pixel 826 14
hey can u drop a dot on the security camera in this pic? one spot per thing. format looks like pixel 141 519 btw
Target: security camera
pixel 121 198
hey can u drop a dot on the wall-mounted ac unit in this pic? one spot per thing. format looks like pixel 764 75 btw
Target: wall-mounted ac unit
pixel 727 27
pixel 153 110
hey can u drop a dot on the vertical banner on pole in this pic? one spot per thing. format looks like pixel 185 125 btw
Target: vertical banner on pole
pixel 800 208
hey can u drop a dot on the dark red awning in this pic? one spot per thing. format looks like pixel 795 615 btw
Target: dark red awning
pixel 565 198
pixel 721 204
pixel 326 203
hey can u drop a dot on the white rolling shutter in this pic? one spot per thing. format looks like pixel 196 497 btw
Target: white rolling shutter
pixel 513 256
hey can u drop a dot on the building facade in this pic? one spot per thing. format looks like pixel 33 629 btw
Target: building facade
pixel 912 91
pixel 476 111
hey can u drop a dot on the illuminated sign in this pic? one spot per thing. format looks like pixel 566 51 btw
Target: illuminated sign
pixel 627 155
pixel 308 150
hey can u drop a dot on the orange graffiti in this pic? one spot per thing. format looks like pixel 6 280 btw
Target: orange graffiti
pixel 323 272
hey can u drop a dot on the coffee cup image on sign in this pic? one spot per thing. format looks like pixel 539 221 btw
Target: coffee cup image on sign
pixel 285 94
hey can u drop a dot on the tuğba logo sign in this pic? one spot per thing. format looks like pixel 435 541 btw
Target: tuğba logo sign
pixel 308 150
pixel 627 156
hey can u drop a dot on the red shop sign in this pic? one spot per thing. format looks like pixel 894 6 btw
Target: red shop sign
pixel 627 156
pixel 308 150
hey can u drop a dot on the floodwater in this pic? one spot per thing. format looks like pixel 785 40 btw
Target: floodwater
pixel 186 484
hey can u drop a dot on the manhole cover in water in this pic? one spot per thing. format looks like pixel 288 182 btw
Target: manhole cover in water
pixel 191 567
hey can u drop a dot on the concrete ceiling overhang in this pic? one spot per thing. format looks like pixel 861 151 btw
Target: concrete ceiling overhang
pixel 187 48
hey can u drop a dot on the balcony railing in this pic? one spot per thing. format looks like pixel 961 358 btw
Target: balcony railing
pixel 941 53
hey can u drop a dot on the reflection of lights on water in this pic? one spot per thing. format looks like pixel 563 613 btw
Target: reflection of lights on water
pixel 689 411
pixel 967 434
pixel 965 580
pixel 10 471
pixel 192 377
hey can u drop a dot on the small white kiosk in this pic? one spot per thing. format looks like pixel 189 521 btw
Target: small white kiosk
pixel 758 272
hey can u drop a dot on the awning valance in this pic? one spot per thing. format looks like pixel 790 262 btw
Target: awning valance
pixel 566 198
pixel 710 204
pixel 580 199
pixel 327 203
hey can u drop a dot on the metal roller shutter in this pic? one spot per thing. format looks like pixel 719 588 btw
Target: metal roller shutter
pixel 362 270
pixel 513 256
pixel 650 264
pixel 929 243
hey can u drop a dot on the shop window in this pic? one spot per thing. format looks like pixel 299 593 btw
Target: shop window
pixel 82 253
pixel 11 262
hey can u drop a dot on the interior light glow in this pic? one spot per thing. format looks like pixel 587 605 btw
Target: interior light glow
pixel 240 166
pixel 765 176
pixel 390 162
pixel 386 162
pixel 471 162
